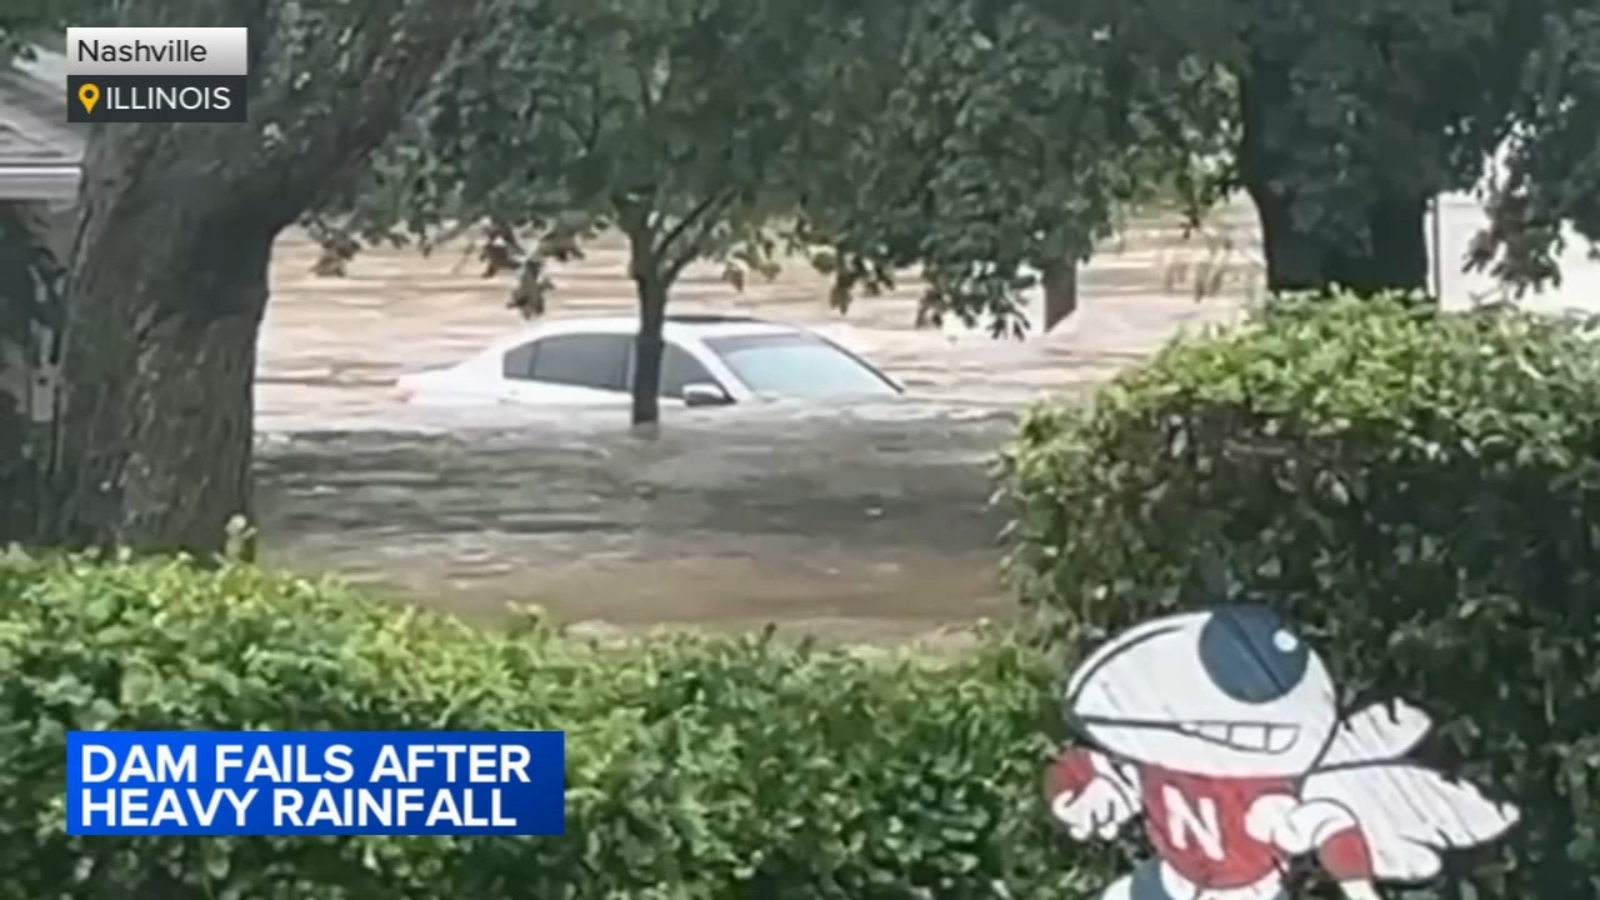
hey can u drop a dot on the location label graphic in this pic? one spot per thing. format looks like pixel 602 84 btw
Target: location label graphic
pixel 157 74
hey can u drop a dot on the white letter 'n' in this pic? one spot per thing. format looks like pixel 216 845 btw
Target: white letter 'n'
pixel 1184 822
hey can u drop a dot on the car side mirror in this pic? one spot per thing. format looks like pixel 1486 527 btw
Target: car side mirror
pixel 704 393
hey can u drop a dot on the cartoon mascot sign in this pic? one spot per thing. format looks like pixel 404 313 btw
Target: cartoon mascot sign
pixel 1222 730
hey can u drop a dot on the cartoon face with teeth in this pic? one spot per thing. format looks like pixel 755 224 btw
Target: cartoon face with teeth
pixel 1222 731
pixel 1224 692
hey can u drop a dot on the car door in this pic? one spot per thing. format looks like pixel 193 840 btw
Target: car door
pixel 578 369
pixel 678 368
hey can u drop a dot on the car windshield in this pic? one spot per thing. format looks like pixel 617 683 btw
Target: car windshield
pixel 797 364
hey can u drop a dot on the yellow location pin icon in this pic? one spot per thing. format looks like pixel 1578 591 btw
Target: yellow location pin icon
pixel 88 95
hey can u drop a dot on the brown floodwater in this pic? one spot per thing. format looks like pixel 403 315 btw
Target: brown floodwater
pixel 867 523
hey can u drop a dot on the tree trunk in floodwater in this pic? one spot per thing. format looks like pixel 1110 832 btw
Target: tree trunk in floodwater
pixel 1381 247
pixel 649 347
pixel 650 284
pixel 1392 257
pixel 1059 281
pixel 155 432
pixel 31 279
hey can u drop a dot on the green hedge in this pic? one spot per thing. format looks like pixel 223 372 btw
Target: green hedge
pixel 1422 490
pixel 698 767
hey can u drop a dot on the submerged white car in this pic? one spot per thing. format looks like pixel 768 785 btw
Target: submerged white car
pixel 709 360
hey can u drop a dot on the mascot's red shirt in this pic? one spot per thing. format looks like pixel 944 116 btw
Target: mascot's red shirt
pixel 1198 824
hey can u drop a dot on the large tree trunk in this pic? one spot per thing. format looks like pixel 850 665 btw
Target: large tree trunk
pixel 168 280
pixel 155 432
pixel 649 346
pixel 1392 256
pixel 1380 247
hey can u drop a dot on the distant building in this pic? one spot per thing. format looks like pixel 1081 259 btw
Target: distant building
pixel 40 153
pixel 40 161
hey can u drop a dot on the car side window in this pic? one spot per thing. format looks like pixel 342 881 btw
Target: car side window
pixel 679 368
pixel 517 363
pixel 598 361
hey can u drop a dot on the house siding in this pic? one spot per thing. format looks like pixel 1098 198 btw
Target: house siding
pixel 40 157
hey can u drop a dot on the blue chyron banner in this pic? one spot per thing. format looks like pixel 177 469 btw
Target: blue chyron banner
pixel 316 783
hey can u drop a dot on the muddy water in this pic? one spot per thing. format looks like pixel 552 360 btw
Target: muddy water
pixel 866 523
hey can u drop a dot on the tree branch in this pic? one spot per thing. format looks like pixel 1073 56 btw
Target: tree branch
pixel 691 218
pixel 322 109
pixel 691 249
pixel 647 100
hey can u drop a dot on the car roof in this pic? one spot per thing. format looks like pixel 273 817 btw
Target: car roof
pixel 684 326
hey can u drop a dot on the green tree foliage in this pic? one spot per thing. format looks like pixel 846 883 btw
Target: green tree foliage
pixel 1348 118
pixel 1552 161
pixel 697 768
pixel 986 142
pixel 1418 488
pixel 976 143
pixel 1353 117
pixel 669 121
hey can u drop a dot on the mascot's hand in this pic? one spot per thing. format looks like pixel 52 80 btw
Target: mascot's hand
pixel 1099 809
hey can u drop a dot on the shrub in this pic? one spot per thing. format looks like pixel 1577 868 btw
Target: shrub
pixel 698 767
pixel 1420 489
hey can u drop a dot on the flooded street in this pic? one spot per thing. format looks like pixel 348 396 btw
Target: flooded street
pixel 872 526
pixel 863 523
